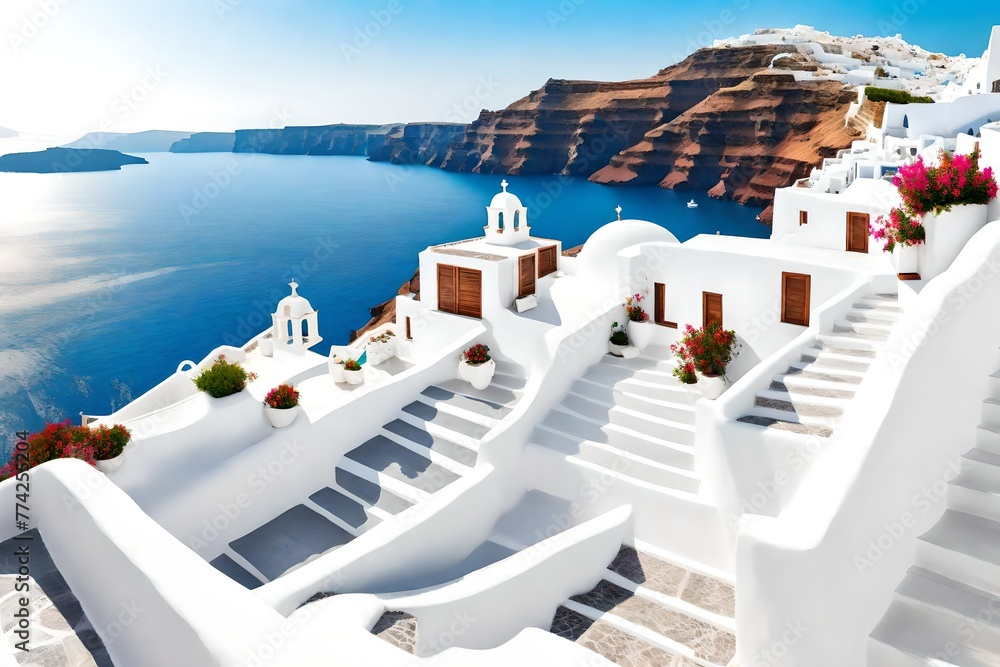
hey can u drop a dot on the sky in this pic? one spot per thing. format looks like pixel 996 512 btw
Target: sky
pixel 72 66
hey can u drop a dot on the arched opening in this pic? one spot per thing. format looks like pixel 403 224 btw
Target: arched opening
pixel 500 221
pixel 517 219
pixel 305 328
pixel 906 121
pixel 971 133
pixel 289 329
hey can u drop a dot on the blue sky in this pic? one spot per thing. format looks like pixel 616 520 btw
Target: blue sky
pixel 69 66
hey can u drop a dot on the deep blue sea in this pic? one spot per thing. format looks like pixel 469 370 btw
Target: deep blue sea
pixel 109 280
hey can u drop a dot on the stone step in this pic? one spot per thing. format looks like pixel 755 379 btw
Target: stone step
pixel 788 414
pixel 512 383
pixel 620 435
pixel 795 384
pixel 607 374
pixel 343 510
pixel 493 393
pixel 382 455
pixel 566 435
pixel 988 439
pixel 473 409
pixel 962 604
pixel 866 304
pixel 994 384
pixel 981 466
pixel 848 339
pixel 973 495
pixel 805 406
pixel 873 331
pixel 917 633
pixel 838 360
pixel 874 316
pixel 397 628
pixel 991 413
pixel 369 494
pixel 229 567
pixel 882 297
pixel 664 364
pixel 791 427
pixel 964 548
pixel 818 371
pixel 509 368
pixel 423 443
pixel 607 397
pixel 621 461
pixel 651 425
pixel 458 427
pixel 611 643
pixel 291 539
pixel 536 516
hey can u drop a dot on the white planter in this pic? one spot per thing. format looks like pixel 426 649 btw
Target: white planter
pixel 640 333
pixel 336 371
pixel 110 465
pixel 616 350
pixel 379 352
pixel 906 258
pixel 947 234
pixel 711 387
pixel 478 375
pixel 280 418
pixel 354 377
pixel 266 346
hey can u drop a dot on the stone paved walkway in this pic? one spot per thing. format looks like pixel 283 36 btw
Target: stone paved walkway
pixel 61 634
pixel 398 628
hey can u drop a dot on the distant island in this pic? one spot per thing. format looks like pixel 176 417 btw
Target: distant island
pixel 64 160
pixel 206 142
pixel 150 141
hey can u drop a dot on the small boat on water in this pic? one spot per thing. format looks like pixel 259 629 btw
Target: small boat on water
pixel 692 204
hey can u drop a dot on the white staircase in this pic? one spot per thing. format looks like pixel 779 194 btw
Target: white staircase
pixel 947 609
pixel 811 396
pixel 433 442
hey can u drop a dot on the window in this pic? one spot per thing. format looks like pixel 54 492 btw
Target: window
pixel 795 289
pixel 409 330
pixel 803 218
pixel 460 290
pixel 711 308
pixel 660 306
pixel 548 260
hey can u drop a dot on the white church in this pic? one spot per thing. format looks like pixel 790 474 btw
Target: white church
pixel 568 503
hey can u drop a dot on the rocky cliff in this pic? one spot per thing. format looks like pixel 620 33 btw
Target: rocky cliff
pixel 742 142
pixel 418 143
pixel 206 142
pixel 150 141
pixel 339 139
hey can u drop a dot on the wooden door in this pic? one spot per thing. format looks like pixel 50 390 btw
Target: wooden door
pixel 470 292
pixel 526 276
pixel 460 290
pixel 857 232
pixel 659 303
pixel 548 260
pixel 711 308
pixel 795 290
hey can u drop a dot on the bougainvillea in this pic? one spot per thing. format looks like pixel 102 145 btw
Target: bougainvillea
pixel 707 350
pixel 62 440
pixel 282 397
pixel 634 310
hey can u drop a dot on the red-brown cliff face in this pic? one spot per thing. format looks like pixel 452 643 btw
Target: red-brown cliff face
pixel 576 127
pixel 742 142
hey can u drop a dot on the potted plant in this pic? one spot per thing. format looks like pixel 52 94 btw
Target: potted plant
pixel 223 378
pixel 281 405
pixel 640 329
pixel 706 351
pixel 685 373
pixel 476 367
pixel 108 444
pixel 337 368
pixel 381 347
pixel 353 372
pixel 618 341
pixel 944 205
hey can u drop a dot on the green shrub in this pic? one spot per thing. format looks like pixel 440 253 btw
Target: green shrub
pixel 223 378
pixel 895 96
pixel 881 73
pixel 108 442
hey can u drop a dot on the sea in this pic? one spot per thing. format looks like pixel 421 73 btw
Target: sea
pixel 109 280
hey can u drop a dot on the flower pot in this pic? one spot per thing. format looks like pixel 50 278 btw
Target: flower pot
pixel 478 375
pixel 616 349
pixel 354 377
pixel 337 371
pixel 108 466
pixel 947 234
pixel 711 386
pixel 280 417
pixel 906 258
pixel 266 346
pixel 640 334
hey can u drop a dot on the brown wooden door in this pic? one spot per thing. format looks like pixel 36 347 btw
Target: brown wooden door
pixel 659 303
pixel 548 260
pixel 470 292
pixel 795 290
pixel 460 290
pixel 857 232
pixel 711 308
pixel 526 276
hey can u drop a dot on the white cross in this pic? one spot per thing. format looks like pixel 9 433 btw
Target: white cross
pixel 503 184
pixel 294 285
pixel 618 209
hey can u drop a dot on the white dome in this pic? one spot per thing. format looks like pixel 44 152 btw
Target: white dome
pixel 505 200
pixel 599 257
pixel 297 306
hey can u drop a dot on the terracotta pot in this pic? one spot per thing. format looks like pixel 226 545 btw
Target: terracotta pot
pixel 711 386
pixel 640 334
pixel 478 375
pixel 281 417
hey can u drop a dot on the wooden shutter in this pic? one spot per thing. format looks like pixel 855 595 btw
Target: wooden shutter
pixel 659 303
pixel 857 232
pixel 447 277
pixel 548 260
pixel 470 292
pixel 795 290
pixel 803 218
pixel 409 329
pixel 711 308
pixel 526 275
